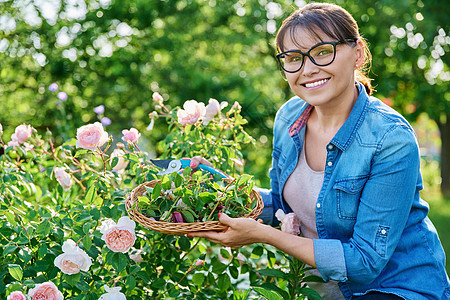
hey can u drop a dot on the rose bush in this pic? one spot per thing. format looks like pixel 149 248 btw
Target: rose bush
pixel 65 232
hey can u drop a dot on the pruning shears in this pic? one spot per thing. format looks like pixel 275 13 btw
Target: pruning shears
pixel 174 165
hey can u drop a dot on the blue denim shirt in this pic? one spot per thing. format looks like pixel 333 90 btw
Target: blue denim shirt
pixel 374 233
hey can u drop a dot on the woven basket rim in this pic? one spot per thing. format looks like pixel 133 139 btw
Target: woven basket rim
pixel 181 228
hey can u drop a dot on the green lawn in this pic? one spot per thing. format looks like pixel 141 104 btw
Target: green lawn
pixel 440 216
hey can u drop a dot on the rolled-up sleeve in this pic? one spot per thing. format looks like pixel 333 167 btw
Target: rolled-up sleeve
pixel 330 261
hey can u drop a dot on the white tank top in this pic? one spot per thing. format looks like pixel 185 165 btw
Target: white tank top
pixel 301 192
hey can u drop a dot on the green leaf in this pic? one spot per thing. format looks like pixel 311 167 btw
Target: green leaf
pixel 42 250
pixel 187 129
pixel 156 191
pixel 16 272
pixel 10 248
pixel 10 217
pixel 270 295
pixel 198 279
pixel 169 266
pixel 272 273
pixel 187 216
pixel 234 272
pixel 82 285
pixel 184 243
pixel 224 282
pixel 178 180
pixel 91 193
pixel 257 251
pixel 86 228
pixel 225 254
pixel 119 262
pixel 130 282
pixel 72 279
pixel 158 283
pixel 243 179
pixel 312 294
pixel 81 151
pixel 114 162
pixel 43 229
pixel 134 269
pixel 313 278
pixel 166 183
pixel 131 157
pixel 87 242
pixel 271 259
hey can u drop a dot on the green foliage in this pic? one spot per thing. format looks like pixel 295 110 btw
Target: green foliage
pixel 52 194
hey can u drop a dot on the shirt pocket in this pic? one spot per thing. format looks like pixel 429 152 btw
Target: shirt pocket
pixel 348 193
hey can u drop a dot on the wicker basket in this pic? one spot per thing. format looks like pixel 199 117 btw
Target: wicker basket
pixel 180 228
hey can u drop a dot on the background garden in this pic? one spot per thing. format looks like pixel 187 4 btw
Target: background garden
pixel 109 57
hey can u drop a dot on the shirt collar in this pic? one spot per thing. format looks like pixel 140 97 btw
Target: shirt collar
pixel 346 133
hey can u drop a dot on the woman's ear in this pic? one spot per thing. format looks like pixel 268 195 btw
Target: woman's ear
pixel 359 48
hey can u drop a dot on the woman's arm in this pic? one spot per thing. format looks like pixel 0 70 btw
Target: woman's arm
pixel 245 231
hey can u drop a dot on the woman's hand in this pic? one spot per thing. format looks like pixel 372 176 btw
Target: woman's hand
pixel 240 232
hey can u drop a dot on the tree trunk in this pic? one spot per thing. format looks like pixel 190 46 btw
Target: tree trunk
pixel 444 129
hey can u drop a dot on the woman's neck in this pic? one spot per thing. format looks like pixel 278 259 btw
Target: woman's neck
pixel 332 116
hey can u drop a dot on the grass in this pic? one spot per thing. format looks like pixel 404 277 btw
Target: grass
pixel 440 216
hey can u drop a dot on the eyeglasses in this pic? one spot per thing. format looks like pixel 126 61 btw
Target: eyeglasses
pixel 322 54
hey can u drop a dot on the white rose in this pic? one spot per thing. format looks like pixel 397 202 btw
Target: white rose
pixel 112 293
pixel 63 178
pixel 289 222
pixel 122 163
pixel 211 110
pixel 73 260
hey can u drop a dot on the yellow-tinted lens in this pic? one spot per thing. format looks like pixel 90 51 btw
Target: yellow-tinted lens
pixel 292 61
pixel 322 54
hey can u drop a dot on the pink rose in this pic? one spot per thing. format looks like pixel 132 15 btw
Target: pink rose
pixel 236 106
pixel 191 113
pixel 17 295
pixel 63 178
pixel 45 291
pixel 199 262
pixel 289 222
pixel 22 133
pixel 131 136
pixel 91 136
pixel 112 293
pixel 157 97
pixel 13 144
pixel 119 237
pixel 73 260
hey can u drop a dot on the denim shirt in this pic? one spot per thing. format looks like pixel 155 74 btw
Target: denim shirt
pixel 374 233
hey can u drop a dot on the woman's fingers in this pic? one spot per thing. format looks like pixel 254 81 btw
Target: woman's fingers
pixel 197 160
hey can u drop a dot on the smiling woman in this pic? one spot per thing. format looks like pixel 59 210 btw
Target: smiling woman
pixel 348 166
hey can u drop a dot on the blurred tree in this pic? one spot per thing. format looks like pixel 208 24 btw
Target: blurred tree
pixel 117 53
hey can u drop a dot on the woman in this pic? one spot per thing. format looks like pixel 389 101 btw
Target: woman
pixel 348 166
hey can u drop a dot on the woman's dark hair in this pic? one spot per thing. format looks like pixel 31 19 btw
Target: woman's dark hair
pixel 332 20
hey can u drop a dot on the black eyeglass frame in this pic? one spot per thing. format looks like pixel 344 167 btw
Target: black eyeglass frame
pixel 279 55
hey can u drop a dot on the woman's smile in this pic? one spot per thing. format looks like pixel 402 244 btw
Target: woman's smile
pixel 315 84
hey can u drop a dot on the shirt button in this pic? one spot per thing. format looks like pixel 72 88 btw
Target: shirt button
pixel 329 163
pixel 330 147
pixel 318 205
pixel 383 231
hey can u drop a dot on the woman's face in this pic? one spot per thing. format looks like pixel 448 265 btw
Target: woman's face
pixel 324 85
